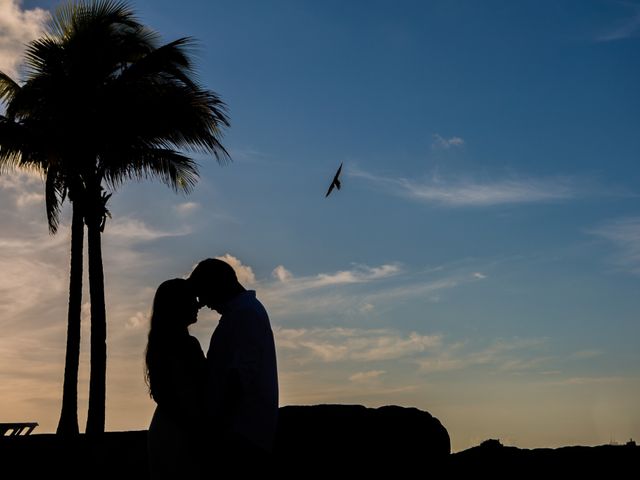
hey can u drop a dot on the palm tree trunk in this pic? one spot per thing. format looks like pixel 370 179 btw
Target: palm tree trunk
pixel 68 424
pixel 97 381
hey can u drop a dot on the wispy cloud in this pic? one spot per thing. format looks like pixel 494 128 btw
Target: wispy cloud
pixel 134 230
pixel 624 234
pixel 389 350
pixel 364 377
pixel 17 28
pixel 442 143
pixel 504 354
pixel 627 28
pixel 187 208
pixel 358 290
pixel 588 380
pixel 359 274
pixel 473 193
pixel 340 344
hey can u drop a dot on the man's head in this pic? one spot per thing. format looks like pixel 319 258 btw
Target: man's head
pixel 214 282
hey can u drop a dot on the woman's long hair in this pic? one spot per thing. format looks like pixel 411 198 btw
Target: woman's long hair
pixel 167 325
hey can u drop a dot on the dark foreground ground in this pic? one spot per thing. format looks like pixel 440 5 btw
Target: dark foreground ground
pixel 334 441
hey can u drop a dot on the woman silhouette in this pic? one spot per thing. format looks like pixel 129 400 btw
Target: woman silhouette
pixel 175 375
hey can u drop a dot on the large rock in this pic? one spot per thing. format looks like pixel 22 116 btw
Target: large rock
pixel 322 439
pixel 333 438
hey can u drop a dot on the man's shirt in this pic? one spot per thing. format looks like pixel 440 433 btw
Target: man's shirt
pixel 243 375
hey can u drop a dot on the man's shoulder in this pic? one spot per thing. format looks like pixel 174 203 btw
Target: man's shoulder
pixel 250 304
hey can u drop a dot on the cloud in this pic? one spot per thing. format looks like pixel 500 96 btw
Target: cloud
pixel 498 354
pixel 336 344
pixel 359 275
pixel 187 208
pixel 441 143
pixel 326 292
pixel 358 291
pixel 139 320
pixel 588 380
pixel 17 28
pixel 28 199
pixel 281 273
pixel 133 230
pixel 244 272
pixel 17 182
pixel 472 193
pixel 367 308
pixel 479 275
pixel 363 377
pixel 624 234
pixel 26 188
pixel 629 27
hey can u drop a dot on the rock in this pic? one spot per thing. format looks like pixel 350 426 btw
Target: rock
pixel 352 437
pixel 323 439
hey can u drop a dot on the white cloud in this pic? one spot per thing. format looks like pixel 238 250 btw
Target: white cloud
pixel 134 230
pixel 624 234
pixel 17 28
pixel 325 292
pixel 187 208
pixel 340 344
pixel 439 142
pixel 136 321
pixel 364 377
pixel 479 275
pixel 359 275
pixel 472 193
pixel 357 291
pixel 244 272
pixel 281 273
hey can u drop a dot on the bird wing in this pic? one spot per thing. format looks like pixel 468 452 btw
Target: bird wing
pixel 338 173
pixel 335 182
pixel 330 189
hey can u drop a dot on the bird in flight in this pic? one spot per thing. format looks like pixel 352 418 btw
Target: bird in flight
pixel 335 183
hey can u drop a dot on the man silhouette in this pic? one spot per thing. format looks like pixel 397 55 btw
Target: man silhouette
pixel 242 368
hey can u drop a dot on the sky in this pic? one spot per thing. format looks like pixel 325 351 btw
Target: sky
pixel 481 261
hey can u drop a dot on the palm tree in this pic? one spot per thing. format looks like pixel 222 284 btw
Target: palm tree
pixel 23 146
pixel 115 106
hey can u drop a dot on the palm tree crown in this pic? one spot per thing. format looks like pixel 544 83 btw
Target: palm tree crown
pixel 103 102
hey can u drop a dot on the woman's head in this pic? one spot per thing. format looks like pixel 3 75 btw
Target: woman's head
pixel 175 307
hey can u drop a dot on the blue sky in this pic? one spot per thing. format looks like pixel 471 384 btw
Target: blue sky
pixel 481 261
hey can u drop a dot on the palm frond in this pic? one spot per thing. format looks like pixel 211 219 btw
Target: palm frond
pixel 74 16
pixel 170 61
pixel 8 88
pixel 54 194
pixel 43 56
pixel 169 115
pixel 172 168
pixel 12 145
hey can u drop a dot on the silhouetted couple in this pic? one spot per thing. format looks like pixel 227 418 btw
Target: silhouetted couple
pixel 215 413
